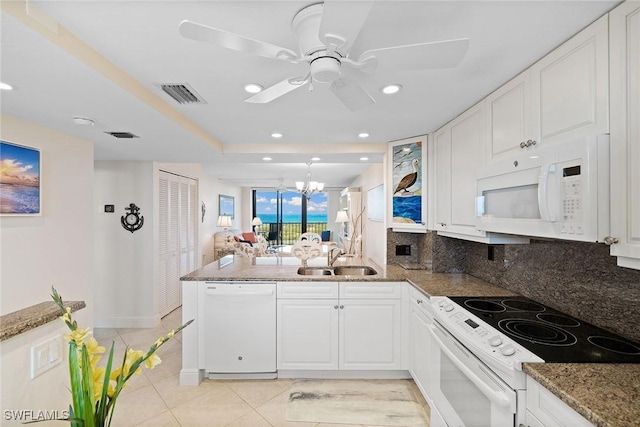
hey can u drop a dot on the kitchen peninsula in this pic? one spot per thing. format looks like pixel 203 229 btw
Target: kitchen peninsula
pixel 623 410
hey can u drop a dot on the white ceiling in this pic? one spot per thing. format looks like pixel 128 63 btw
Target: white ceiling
pixel 229 136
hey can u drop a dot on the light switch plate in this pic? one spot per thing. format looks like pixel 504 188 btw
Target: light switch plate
pixel 46 355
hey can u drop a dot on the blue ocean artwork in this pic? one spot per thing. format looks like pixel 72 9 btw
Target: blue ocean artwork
pixel 18 199
pixel 409 208
pixel 19 179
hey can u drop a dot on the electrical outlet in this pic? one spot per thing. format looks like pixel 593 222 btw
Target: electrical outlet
pixel 403 250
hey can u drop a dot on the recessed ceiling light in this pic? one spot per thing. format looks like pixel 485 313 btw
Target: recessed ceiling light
pixel 266 159
pixel 391 89
pixel 363 135
pixel 364 159
pixel 5 86
pixel 253 88
pixel 315 159
pixel 276 135
pixel 83 121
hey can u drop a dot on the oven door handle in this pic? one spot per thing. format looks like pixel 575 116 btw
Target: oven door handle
pixel 499 399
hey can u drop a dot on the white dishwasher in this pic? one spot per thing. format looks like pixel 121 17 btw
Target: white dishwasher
pixel 239 328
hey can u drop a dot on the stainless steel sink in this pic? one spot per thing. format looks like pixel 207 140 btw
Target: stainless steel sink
pixel 341 270
pixel 315 271
pixel 353 270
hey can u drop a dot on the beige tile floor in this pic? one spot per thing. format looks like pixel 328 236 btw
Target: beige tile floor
pixel 155 398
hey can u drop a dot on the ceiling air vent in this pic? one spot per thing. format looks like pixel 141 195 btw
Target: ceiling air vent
pixel 182 93
pixel 122 134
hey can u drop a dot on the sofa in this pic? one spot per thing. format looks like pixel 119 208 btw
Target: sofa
pixel 234 241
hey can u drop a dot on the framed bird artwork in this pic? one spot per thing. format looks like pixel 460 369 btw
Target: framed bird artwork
pixel 408 184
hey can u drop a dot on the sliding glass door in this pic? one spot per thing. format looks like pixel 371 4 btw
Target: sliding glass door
pixel 287 214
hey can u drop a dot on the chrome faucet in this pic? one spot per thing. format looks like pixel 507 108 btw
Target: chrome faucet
pixel 331 258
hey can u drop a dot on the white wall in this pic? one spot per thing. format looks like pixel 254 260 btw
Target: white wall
pixel 123 260
pixel 374 234
pixel 38 252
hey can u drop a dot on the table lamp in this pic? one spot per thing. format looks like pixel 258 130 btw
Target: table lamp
pixel 255 222
pixel 224 221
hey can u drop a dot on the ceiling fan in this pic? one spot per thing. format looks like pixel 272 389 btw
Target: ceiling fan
pixel 325 33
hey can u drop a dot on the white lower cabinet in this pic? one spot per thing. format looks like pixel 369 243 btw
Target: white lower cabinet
pixel 339 326
pixel 544 409
pixel 420 342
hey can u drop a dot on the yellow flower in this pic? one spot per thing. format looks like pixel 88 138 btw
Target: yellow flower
pixel 160 341
pixel 93 347
pixel 67 316
pixel 78 335
pixel 152 361
pixel 132 356
pixel 171 333
pixel 98 380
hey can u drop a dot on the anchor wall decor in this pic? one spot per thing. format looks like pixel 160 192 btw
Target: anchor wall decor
pixel 132 221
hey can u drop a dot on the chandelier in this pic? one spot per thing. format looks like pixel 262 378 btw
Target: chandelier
pixel 307 189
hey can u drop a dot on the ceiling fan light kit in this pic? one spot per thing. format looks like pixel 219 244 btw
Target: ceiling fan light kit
pixel 325 32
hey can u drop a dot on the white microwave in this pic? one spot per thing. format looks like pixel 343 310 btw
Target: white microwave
pixel 559 192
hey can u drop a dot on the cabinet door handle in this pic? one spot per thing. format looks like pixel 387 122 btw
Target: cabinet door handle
pixel 530 143
pixel 523 144
pixel 335 307
pixel 419 301
pixel 610 240
pixel 341 306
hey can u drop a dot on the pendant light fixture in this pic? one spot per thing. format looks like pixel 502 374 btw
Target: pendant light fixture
pixel 309 188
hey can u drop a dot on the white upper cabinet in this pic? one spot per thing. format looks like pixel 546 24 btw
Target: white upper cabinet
pixel 570 87
pixel 625 134
pixel 458 151
pixel 509 113
pixel 563 96
pixel 458 148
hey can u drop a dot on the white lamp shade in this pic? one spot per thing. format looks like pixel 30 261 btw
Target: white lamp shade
pixel 224 221
pixel 342 217
pixel 256 221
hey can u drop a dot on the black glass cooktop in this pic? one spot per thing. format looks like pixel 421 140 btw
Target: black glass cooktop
pixel 550 334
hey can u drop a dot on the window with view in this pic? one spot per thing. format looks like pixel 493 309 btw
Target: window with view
pixel 287 214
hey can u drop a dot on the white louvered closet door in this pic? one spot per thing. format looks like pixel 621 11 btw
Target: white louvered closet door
pixel 177 237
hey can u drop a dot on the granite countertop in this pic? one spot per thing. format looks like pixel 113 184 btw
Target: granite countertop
pixel 608 395
pixel 24 320
pixel 284 269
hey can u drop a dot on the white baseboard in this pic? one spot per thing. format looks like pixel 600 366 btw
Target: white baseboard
pixel 127 322
pixel 244 376
pixel 191 376
pixel 368 375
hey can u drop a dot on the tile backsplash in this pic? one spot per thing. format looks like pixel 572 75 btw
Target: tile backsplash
pixel 579 279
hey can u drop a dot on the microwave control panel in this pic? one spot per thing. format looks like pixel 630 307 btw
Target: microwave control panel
pixel 572 200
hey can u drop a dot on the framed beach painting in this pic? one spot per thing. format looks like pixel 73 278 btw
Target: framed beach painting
pixel 225 205
pixel 407 185
pixel 19 180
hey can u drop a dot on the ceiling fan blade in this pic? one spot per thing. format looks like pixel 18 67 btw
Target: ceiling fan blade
pixel 276 91
pixel 203 33
pixel 352 95
pixel 421 56
pixel 341 22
